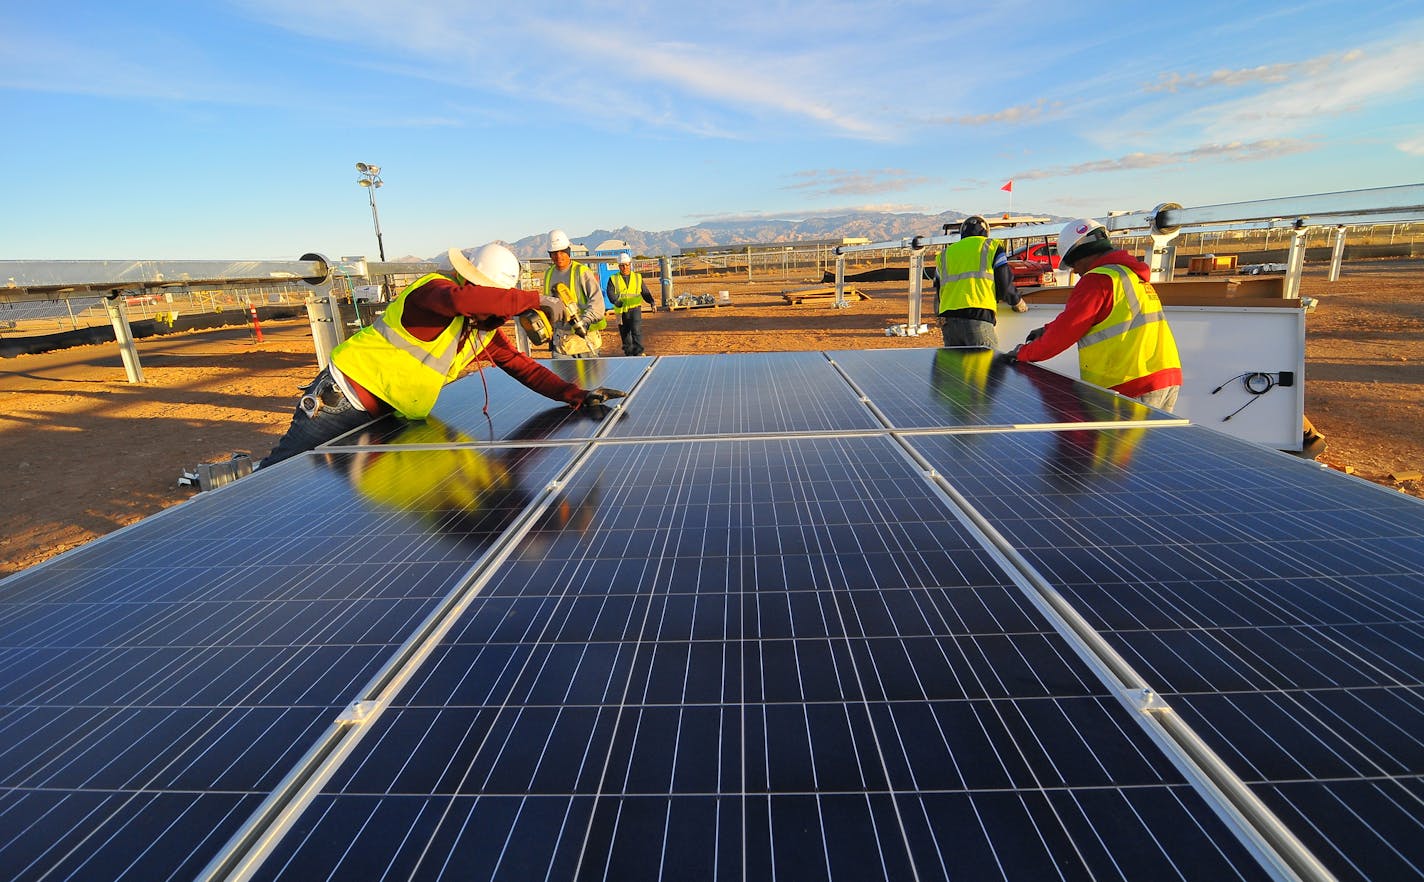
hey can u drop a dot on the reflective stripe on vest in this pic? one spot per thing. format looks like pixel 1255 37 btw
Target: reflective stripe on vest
pixel 577 298
pixel 1134 340
pixel 966 274
pixel 405 372
pixel 629 290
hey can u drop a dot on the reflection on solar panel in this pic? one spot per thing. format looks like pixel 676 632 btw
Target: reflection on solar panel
pixel 740 627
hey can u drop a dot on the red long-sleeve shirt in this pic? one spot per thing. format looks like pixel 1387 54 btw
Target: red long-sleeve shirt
pixel 429 310
pixel 1090 303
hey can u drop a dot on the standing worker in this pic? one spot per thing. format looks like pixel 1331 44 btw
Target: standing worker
pixel 972 276
pixel 428 335
pixel 1115 317
pixel 626 291
pixel 578 328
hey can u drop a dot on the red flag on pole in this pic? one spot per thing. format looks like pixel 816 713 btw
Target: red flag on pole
pixel 1009 187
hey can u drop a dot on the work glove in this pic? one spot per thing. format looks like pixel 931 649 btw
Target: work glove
pixel 553 307
pixel 1034 334
pixel 1010 357
pixel 1021 306
pixel 601 395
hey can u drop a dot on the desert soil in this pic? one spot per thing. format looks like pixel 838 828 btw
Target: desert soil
pixel 85 452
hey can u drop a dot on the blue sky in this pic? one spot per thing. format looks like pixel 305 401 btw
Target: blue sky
pixel 211 130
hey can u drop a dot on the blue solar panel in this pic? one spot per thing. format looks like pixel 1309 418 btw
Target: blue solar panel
pixel 675 674
pixel 490 406
pixel 1278 607
pixel 969 388
pixel 760 393
pixel 168 677
pixel 734 628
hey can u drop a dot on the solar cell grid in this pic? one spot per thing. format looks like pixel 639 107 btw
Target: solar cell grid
pixel 600 712
pixel 160 682
pixel 515 412
pixel 1283 646
pixel 759 393
pixel 958 388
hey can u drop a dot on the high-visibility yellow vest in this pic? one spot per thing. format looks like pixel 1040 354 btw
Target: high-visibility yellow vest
pixel 440 485
pixel 1134 340
pixel 966 274
pixel 406 372
pixel 629 291
pixel 573 296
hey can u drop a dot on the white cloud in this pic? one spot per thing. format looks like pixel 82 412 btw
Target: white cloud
pixel 1265 73
pixel 1020 114
pixel 1235 151
pixel 1374 76
pixel 1413 146
pixel 839 182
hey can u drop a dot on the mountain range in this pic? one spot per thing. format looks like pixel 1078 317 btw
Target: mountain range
pixel 875 226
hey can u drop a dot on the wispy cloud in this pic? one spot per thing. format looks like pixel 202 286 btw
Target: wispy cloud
pixel 1413 146
pixel 1011 115
pixel 839 182
pixel 801 215
pixel 1235 151
pixel 1380 74
pixel 1265 73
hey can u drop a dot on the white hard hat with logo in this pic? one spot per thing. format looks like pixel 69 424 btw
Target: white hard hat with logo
pixel 558 240
pixel 1078 232
pixel 493 265
pixel 625 257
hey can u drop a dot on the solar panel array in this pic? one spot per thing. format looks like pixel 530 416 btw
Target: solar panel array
pixel 902 614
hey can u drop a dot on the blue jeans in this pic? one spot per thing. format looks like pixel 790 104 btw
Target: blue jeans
pixel 333 417
pixel 968 332
pixel 630 328
pixel 1162 399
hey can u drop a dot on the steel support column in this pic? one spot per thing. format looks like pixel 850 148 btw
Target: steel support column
pixel 1295 262
pixel 118 316
pixel 1337 255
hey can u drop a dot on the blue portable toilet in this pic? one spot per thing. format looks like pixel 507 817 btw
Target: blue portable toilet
pixel 605 259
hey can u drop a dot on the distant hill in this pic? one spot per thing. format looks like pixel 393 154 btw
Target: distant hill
pixel 875 226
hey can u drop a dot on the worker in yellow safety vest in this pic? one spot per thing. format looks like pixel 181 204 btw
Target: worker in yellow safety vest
pixel 578 330
pixel 971 277
pixel 437 327
pixel 1115 317
pixel 626 292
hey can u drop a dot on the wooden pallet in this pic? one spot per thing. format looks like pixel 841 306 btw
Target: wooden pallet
pixel 821 295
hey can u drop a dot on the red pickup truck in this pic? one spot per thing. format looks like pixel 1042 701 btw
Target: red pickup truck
pixel 1038 252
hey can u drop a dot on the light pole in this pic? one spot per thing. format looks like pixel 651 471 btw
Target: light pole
pixel 371 179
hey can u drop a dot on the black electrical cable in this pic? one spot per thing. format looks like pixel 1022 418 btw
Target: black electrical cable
pixel 1258 383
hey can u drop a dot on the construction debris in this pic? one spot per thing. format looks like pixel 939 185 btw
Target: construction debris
pixel 820 295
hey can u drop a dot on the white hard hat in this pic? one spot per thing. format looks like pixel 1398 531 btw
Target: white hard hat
pixel 1084 228
pixel 625 257
pixel 492 265
pixel 558 240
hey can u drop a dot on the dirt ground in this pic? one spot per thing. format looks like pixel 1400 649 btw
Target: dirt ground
pixel 85 452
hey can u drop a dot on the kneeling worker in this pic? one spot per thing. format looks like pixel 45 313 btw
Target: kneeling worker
pixel 1115 317
pixel 428 335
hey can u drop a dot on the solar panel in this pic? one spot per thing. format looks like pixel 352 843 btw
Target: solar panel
pixel 757 393
pixel 156 685
pixel 959 388
pixel 1278 607
pixel 684 679
pixel 807 615
pixel 515 412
